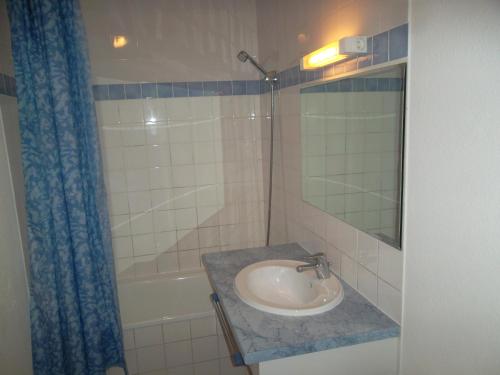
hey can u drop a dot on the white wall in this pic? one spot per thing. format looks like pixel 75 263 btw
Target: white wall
pixel 174 40
pixel 451 320
pixel 15 347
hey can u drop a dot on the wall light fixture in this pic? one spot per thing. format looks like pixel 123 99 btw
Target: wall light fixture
pixel 334 52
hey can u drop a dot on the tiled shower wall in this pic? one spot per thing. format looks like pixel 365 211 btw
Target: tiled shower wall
pixel 184 177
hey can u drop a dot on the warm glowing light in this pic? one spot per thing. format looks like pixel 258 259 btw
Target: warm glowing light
pixel 120 41
pixel 324 56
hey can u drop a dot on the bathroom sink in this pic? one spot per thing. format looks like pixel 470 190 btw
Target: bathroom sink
pixel 276 287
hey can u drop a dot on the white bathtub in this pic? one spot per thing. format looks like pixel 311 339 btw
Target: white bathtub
pixel 169 326
pixel 164 298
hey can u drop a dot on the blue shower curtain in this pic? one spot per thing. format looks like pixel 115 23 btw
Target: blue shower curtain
pixel 75 322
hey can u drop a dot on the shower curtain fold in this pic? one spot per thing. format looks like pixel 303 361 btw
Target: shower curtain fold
pixel 75 319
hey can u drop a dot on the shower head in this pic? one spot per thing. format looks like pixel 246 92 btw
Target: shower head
pixel 243 56
pixel 271 76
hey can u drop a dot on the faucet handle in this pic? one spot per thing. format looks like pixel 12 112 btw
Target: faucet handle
pixel 315 256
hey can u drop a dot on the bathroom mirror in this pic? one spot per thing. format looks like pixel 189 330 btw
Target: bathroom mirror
pixel 352 149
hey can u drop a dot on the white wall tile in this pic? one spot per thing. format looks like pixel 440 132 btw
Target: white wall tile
pixel 209 237
pixel 128 339
pixel 181 370
pixel 157 134
pixel 131 359
pixel 165 241
pixel 164 221
pixel 118 203
pixel 131 111
pixel 187 239
pixel 168 262
pixel 206 195
pixel 389 300
pixel 367 284
pixel 160 177
pixel 144 244
pixel 162 199
pixel 368 251
pixel 204 131
pixel 137 180
pixel 208 216
pixel 390 265
pixel 141 223
pixel 150 358
pixel 155 110
pixel 186 218
pixel 203 327
pixel 346 238
pixel 184 197
pixel 178 331
pixel 334 257
pixel 179 109
pixel 189 259
pixel 139 201
pixel 136 157
pixel 111 136
pixel 145 265
pixel 180 132
pixel 207 368
pixel 206 174
pixel 348 271
pixel 120 225
pixel 125 267
pixel 223 350
pixel 227 368
pixel 201 108
pixel 182 153
pixel 183 176
pixel 178 353
pixel 116 182
pixel 113 159
pixel 107 112
pixel 205 348
pixel 148 336
pixel 133 136
pixel 122 247
pixel 331 230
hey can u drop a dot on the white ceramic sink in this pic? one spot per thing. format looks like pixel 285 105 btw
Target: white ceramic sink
pixel 276 287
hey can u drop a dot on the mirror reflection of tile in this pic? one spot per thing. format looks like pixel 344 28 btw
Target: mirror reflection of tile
pixel 352 150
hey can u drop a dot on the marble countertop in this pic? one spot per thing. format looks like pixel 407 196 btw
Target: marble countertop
pixel 263 336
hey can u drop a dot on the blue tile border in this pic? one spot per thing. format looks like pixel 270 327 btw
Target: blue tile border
pixel 7 85
pixel 356 85
pixel 177 89
pixel 380 48
pixel 398 42
pixel 386 46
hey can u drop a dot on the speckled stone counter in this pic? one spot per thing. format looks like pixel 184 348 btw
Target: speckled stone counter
pixel 263 336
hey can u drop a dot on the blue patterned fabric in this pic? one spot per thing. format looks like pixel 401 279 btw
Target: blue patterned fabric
pixel 75 318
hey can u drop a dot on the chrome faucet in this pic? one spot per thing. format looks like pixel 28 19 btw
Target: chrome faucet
pixel 318 263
